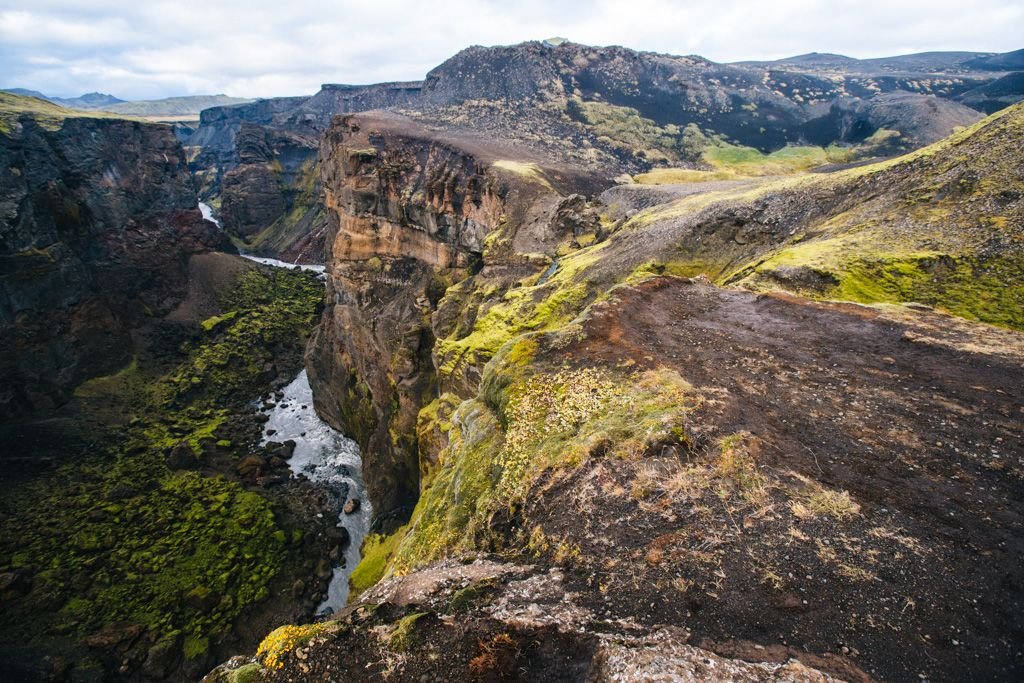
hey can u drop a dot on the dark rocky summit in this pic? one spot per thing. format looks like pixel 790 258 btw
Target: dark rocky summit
pixel 609 109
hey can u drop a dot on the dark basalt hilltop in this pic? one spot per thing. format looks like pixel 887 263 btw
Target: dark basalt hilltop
pixel 609 109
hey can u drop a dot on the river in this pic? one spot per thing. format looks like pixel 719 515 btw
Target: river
pixel 331 459
pixel 324 455
pixel 207 212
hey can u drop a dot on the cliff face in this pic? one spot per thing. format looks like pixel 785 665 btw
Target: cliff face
pixel 98 219
pixel 408 216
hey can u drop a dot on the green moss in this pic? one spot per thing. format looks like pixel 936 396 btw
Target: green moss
pixel 523 425
pixel 249 673
pixel 194 648
pixel 989 290
pixel 471 596
pixel 267 307
pixel 451 511
pixel 212 322
pixel 520 310
pixel 116 536
pixel 404 637
pixel 376 552
pixel 626 129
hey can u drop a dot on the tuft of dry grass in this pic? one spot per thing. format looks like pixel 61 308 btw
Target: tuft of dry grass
pixel 815 500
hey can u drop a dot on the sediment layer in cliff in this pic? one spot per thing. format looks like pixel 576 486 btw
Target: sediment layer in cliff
pixel 411 213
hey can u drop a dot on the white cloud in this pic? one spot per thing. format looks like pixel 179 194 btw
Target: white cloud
pixel 158 48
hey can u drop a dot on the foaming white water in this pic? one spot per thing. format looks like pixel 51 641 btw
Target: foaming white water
pixel 331 459
pixel 284 264
pixel 207 212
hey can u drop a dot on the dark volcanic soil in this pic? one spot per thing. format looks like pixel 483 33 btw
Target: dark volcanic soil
pixel 920 421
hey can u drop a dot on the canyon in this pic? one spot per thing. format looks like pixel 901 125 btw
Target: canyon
pixel 654 368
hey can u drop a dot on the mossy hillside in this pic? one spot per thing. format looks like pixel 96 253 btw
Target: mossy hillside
pixel 984 289
pixel 432 426
pixel 938 226
pixel 376 551
pixel 525 308
pixel 530 421
pixel 265 310
pixel 629 132
pixel 119 536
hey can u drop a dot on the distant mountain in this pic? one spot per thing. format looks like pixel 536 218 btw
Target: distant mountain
pixel 25 92
pixel 170 106
pixel 1008 61
pixel 91 100
pixel 933 63
pixel 175 106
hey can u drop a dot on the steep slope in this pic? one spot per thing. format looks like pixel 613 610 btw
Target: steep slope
pixel 408 213
pixel 99 220
pixel 145 531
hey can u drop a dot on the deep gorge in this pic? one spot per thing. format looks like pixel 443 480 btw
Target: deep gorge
pixel 545 368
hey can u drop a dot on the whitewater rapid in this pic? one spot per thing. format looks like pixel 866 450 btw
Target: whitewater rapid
pixel 330 459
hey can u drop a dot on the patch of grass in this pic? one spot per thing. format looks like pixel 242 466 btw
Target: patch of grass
pixel 814 500
pixel 403 636
pixel 747 161
pixel 524 169
pixel 673 176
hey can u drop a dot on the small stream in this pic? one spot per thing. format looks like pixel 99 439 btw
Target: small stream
pixel 324 455
pixel 207 212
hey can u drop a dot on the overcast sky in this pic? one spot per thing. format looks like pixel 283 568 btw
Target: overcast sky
pixel 257 48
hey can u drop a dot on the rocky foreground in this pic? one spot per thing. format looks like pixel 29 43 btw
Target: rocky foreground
pixel 638 396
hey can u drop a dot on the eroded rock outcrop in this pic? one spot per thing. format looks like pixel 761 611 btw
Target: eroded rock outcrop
pixel 98 219
pixel 411 213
